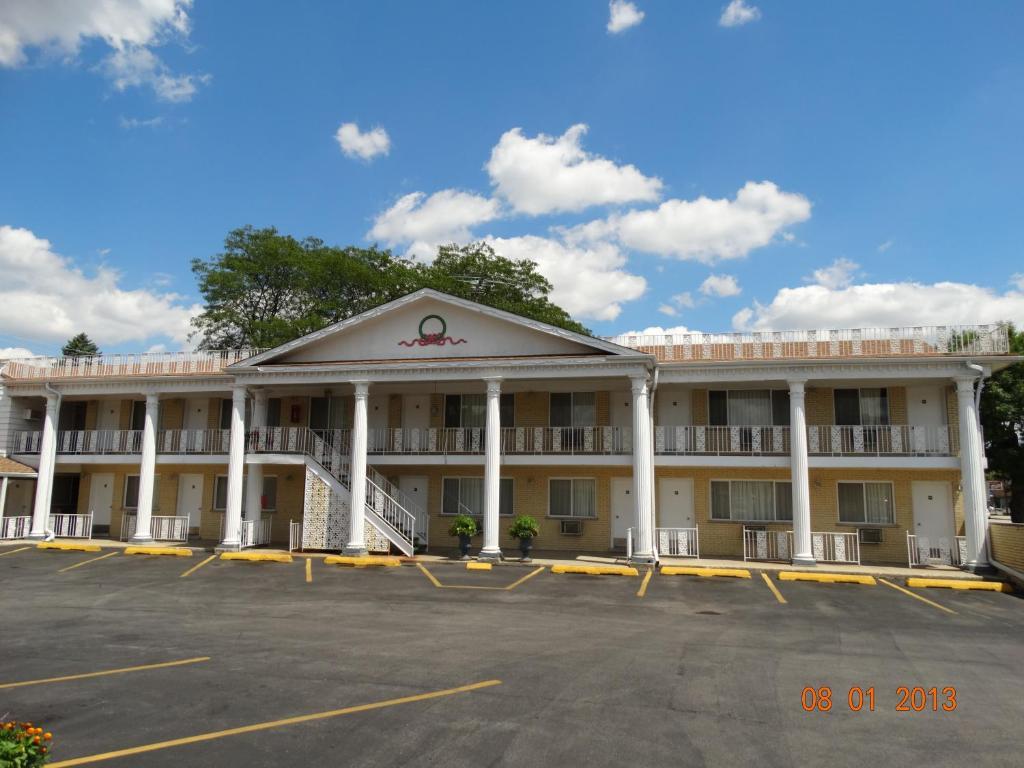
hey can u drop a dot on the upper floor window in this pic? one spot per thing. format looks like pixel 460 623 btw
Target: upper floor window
pixel 861 407
pixel 573 409
pixel 748 407
pixel 470 411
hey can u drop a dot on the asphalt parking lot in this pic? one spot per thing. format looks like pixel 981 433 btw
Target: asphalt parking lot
pixel 438 665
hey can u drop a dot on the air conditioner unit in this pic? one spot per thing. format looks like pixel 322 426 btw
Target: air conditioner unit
pixel 869 535
pixel 572 527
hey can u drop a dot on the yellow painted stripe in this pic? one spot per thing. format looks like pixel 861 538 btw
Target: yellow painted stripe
pixel 195 568
pixel 827 578
pixel 527 577
pixel 773 588
pixel 917 597
pixel 68 547
pixel 988 586
pixel 86 562
pixel 643 585
pixel 309 570
pixel 122 670
pixel 474 566
pixel 362 561
pixel 596 570
pixel 272 724
pixel 429 575
pixel 687 570
pixel 170 551
pixel 12 551
pixel 257 557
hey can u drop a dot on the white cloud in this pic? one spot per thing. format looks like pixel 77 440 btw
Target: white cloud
pixel 588 282
pixel 364 145
pixel 667 309
pixel 555 174
pixel 657 330
pixel 684 300
pixel 704 229
pixel 622 15
pixel 129 123
pixel 737 13
pixel 881 305
pixel 883 247
pixel 129 27
pixel 10 353
pixel 1018 280
pixel 45 297
pixel 720 285
pixel 426 222
pixel 838 274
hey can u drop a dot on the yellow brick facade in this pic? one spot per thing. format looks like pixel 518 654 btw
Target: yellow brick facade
pixel 1007 540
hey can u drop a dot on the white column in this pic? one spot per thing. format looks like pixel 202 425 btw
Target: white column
pixel 147 471
pixel 47 460
pixel 357 475
pixel 236 469
pixel 3 494
pixel 972 477
pixel 643 543
pixel 254 478
pixel 491 549
pixel 802 551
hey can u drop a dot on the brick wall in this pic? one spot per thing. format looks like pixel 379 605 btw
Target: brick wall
pixel 1007 540
pixel 819 406
pixel 699 409
pixel 897 405
pixel 532 409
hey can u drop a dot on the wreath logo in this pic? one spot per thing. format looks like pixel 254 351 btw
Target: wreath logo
pixel 433 331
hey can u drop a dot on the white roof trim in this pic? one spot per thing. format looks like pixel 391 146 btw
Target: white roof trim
pixel 430 293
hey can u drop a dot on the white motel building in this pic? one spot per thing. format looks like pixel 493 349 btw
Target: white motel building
pixel 841 446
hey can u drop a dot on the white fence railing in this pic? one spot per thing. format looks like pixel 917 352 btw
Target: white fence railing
pixel 162 527
pixel 826 546
pixel 754 441
pixel 764 544
pixel 922 551
pixel 71 526
pixel 294 535
pixel 15 527
pixel 135 364
pixel 514 440
pixel 880 440
pixel 255 533
pixel 677 542
pixel 835 547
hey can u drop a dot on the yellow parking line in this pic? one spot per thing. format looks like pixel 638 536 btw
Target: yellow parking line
pixel 105 672
pixel 527 577
pixel 773 588
pixel 309 570
pixel 195 568
pixel 272 724
pixel 86 562
pixel 12 551
pixel 643 585
pixel 429 575
pixel 916 596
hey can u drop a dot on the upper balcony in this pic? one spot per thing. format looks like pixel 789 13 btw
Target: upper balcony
pixel 135 364
pixel 916 341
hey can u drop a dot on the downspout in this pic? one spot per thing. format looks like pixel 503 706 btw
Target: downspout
pixel 50 536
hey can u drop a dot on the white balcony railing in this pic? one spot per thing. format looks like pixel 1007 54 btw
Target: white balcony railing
pixel 677 542
pixel 764 544
pixel 135 364
pixel 922 551
pixel 162 527
pixel 855 342
pixel 882 440
pixel 751 441
pixel 15 527
pixel 71 526
pixel 835 547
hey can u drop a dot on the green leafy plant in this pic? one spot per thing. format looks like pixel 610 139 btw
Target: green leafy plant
pixel 22 745
pixel 524 527
pixel 462 525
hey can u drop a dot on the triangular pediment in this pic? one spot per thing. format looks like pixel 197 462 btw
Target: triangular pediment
pixel 433 325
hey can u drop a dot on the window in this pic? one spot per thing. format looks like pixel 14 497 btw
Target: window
pixel 751 500
pixel 268 501
pixel 329 413
pixel 748 407
pixel 573 409
pixel 220 493
pixel 866 503
pixel 225 413
pixel 131 492
pixel 575 497
pixel 138 414
pixel 470 411
pixel 465 496
pixel 274 412
pixel 861 407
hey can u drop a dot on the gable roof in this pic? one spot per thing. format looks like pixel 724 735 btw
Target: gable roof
pixel 596 344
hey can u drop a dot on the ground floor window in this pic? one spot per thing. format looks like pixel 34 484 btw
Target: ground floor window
pixel 572 497
pixel 465 496
pixel 269 500
pixel 751 500
pixel 131 492
pixel 869 503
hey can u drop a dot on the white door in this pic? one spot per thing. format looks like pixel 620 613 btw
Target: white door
pixel 926 406
pixel 101 497
pixel 622 509
pixel 190 498
pixel 933 512
pixel 675 502
pixel 196 417
pixel 620 412
pixel 415 487
pixel 671 410
pixel 415 421
pixel 108 414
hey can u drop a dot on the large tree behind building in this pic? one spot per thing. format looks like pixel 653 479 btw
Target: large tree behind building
pixel 266 288
pixel 1002 418
pixel 80 345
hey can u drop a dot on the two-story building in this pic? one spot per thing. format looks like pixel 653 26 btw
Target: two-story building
pixel 372 433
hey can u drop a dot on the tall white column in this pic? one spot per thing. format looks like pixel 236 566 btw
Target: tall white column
pixel 643 496
pixel 357 475
pixel 147 472
pixel 802 551
pixel 47 460
pixel 3 494
pixel 236 469
pixel 254 478
pixel 972 477
pixel 491 549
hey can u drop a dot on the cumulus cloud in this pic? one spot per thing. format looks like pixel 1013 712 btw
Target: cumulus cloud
pixel 737 13
pixel 668 309
pixel 131 28
pixel 720 285
pixel 622 15
pixel 838 274
pixel 883 247
pixel 45 297
pixel 704 229
pixel 426 222
pixel 128 123
pixel 547 174
pixel 1018 280
pixel 657 330
pixel 882 305
pixel 364 145
pixel 11 353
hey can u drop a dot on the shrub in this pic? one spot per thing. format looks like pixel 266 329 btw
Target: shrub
pixel 524 527
pixel 462 525
pixel 23 745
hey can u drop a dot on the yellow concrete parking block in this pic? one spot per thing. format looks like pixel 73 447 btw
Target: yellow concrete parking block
pixel 596 570
pixel 987 586
pixel 827 578
pixel 170 551
pixel 66 546
pixel 478 566
pixel 687 570
pixel 257 557
pixel 364 561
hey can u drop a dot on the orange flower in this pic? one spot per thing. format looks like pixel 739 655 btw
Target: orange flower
pixel 47 735
pixel 35 739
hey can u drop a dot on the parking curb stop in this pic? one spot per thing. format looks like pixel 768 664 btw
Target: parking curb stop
pixel 363 561
pixel 827 578
pixel 171 551
pixel 65 546
pixel 987 586
pixel 257 557
pixel 597 570
pixel 478 566
pixel 687 570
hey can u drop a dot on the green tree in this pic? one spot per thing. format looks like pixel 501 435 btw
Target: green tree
pixel 80 346
pixel 1002 418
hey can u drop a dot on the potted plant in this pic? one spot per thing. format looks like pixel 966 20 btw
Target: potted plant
pixel 524 528
pixel 464 527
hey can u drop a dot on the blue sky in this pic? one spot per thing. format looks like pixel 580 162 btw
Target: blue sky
pixel 806 165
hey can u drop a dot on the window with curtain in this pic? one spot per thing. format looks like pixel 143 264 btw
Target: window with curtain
pixel 465 496
pixel 748 407
pixel 470 411
pixel 861 407
pixel 220 492
pixel 866 503
pixel 573 409
pixel 751 500
pixel 131 492
pixel 572 497
pixel 269 500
